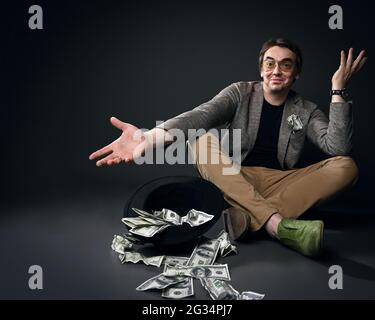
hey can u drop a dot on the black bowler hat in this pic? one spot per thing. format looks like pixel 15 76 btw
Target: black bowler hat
pixel 180 194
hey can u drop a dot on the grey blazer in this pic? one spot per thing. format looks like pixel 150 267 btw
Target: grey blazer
pixel 239 106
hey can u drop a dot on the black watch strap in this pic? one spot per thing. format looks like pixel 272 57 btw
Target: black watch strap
pixel 343 93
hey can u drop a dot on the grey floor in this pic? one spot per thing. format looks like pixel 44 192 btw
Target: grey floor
pixel 70 237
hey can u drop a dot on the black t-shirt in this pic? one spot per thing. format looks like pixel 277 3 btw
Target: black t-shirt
pixel 264 153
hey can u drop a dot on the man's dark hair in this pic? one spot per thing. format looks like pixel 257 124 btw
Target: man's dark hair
pixel 284 43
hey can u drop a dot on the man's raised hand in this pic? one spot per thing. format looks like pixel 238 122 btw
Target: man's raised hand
pixel 347 68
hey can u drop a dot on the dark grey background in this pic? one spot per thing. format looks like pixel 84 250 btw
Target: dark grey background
pixel 142 62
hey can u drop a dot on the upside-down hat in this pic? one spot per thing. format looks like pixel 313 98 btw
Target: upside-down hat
pixel 180 194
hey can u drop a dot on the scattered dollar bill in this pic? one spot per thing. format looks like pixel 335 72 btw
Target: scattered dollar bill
pixel 121 244
pixel 133 256
pixel 173 260
pixel 205 253
pixel 222 290
pixel 179 290
pixel 250 295
pixel 226 246
pixel 201 271
pixel 159 282
pixel 219 289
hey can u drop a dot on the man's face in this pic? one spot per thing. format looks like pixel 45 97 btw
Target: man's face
pixel 279 69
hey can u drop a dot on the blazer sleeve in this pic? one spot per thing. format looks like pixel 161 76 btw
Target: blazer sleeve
pixel 334 135
pixel 219 110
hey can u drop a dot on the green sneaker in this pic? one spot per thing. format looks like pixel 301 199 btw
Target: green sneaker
pixel 304 236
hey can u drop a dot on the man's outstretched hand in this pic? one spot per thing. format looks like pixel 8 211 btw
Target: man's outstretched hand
pixel 347 68
pixel 126 148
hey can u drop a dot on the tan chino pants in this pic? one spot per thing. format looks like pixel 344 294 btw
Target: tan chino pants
pixel 261 192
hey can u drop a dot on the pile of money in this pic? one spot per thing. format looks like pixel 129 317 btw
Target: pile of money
pixel 149 224
pixel 176 280
pixel 198 265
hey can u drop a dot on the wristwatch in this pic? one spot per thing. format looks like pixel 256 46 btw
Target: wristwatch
pixel 342 93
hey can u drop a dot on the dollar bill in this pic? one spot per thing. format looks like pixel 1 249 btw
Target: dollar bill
pixel 134 257
pixel 174 260
pixel 120 244
pixel 133 239
pixel 148 231
pixel 222 290
pixel 154 221
pixel 182 289
pixel 204 253
pixel 219 289
pixel 130 224
pixel 141 221
pixel 201 271
pixel 226 246
pixel 159 282
pixel 169 216
pixel 179 290
pixel 145 214
pixel 250 295
pixel 196 218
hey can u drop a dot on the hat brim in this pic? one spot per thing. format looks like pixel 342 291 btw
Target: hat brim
pixel 180 194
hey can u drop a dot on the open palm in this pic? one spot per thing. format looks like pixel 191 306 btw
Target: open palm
pixel 347 68
pixel 126 148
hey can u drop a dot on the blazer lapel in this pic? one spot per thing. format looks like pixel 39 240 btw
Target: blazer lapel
pixel 291 107
pixel 255 112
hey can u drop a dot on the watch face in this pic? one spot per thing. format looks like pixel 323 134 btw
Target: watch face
pixel 342 93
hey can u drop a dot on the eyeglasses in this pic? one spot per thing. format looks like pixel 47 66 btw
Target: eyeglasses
pixel 284 65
